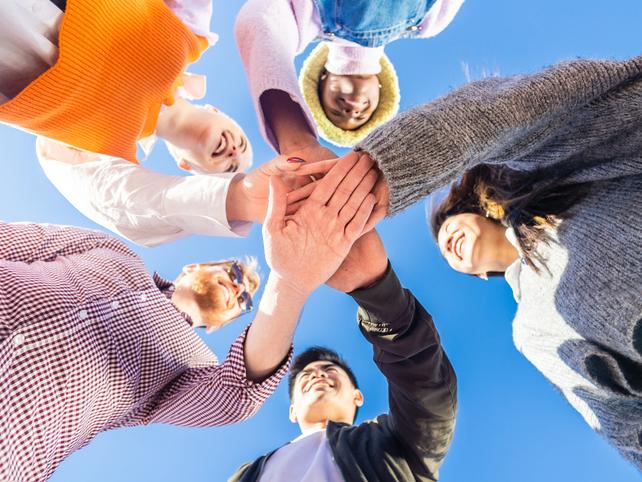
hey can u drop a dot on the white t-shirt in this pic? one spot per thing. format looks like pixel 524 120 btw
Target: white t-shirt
pixel 307 458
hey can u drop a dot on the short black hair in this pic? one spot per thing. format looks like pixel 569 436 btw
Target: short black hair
pixel 313 354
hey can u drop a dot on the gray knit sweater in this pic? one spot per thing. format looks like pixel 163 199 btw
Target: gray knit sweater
pixel 580 322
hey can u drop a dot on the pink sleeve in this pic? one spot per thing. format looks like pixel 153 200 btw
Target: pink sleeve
pixel 27 243
pixel 268 40
pixel 216 395
pixel 439 17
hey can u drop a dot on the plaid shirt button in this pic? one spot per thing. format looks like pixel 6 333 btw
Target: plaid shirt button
pixel 19 339
pixel 114 305
pixel 83 314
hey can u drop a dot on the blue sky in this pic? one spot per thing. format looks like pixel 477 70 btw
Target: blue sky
pixel 513 425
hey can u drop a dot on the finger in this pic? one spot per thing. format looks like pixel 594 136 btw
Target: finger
pixel 301 193
pixel 283 164
pixel 364 188
pixel 321 167
pixel 277 203
pixel 328 185
pixel 349 183
pixel 293 208
pixel 378 213
pixel 355 228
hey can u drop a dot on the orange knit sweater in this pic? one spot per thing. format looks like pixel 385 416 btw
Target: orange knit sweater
pixel 118 62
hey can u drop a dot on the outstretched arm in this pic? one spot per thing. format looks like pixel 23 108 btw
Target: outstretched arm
pixel 572 111
pixel 421 382
pixel 268 38
pixel 422 386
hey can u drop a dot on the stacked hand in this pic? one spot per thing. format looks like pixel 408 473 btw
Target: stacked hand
pixel 307 247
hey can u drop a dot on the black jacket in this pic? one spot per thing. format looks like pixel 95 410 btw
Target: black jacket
pixel 410 442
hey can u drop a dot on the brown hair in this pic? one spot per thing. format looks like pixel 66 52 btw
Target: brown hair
pixel 529 202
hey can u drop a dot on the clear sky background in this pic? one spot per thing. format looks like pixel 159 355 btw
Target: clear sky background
pixel 513 425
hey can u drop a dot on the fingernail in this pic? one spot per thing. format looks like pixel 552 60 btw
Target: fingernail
pixel 295 159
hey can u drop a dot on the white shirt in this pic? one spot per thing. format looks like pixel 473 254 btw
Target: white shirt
pixel 307 458
pixel 143 206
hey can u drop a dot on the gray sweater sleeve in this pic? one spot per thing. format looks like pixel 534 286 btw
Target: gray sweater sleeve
pixel 523 122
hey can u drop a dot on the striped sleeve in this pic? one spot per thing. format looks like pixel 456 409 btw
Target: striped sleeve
pixel 216 395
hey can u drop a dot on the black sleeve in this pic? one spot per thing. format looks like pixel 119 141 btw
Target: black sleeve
pixel 422 386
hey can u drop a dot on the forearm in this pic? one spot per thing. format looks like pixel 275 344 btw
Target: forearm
pixel 497 120
pixel 216 395
pixel 268 40
pixel 269 339
pixel 287 121
pixel 146 207
pixel 407 350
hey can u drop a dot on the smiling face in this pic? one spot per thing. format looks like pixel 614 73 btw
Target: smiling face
pixel 471 243
pixel 205 140
pixel 349 100
pixel 323 391
pixel 211 295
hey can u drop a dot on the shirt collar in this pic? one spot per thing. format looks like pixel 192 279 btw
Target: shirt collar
pixel 167 287
pixel 513 271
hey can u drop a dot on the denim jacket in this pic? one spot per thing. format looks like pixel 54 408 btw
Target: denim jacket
pixel 372 24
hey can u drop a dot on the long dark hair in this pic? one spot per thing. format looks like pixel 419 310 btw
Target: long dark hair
pixel 529 202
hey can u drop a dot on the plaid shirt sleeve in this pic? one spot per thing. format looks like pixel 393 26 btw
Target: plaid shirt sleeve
pixel 217 395
pixel 46 242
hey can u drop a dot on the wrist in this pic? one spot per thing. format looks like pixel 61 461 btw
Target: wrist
pixel 237 202
pixel 283 295
pixel 298 141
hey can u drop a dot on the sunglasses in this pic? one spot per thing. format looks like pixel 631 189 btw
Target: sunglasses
pixel 235 272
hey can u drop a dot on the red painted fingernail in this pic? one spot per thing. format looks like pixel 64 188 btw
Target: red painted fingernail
pixel 295 159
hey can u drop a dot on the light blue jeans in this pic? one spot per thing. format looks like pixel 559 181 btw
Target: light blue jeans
pixel 371 23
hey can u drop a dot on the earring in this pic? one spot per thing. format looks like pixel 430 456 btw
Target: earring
pixel 324 76
pixel 380 86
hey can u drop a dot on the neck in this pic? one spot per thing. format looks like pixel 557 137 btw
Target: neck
pixel 506 255
pixel 309 427
pixel 183 302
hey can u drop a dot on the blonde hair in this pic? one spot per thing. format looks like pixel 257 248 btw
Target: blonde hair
pixel 388 107
pixel 208 295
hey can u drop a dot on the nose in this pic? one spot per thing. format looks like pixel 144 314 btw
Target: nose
pixel 230 148
pixel 354 105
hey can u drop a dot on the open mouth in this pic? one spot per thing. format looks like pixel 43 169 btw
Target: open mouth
pixel 316 383
pixel 458 246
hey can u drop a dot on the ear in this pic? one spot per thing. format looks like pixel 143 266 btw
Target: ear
pixel 358 398
pixel 184 165
pixel 292 415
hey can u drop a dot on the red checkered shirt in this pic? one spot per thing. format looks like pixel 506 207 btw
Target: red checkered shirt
pixel 90 342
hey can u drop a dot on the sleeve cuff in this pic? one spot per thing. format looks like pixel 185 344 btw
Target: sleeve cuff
pixel 235 373
pixel 381 306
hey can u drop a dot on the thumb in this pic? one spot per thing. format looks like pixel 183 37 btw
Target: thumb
pixel 277 203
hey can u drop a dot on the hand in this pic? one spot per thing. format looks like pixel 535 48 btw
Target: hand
pixel 247 196
pixel 364 266
pixel 307 248
pixel 297 197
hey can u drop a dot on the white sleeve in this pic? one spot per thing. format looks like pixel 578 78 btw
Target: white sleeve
pixel 143 206
pixel 439 17
pixel 269 38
